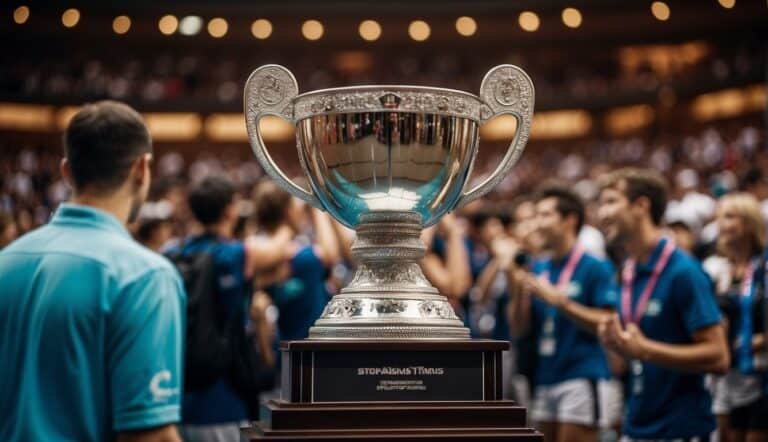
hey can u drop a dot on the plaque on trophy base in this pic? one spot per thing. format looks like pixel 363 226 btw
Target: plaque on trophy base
pixel 392 390
pixel 388 358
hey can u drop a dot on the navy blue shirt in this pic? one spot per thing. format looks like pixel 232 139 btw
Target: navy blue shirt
pixel 220 403
pixel 671 404
pixel 577 353
pixel 300 299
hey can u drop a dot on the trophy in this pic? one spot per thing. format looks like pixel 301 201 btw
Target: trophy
pixel 388 358
pixel 388 161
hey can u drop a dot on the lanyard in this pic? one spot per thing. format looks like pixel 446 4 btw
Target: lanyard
pixel 747 293
pixel 562 281
pixel 570 266
pixel 628 277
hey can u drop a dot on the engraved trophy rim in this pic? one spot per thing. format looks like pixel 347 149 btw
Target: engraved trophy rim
pixel 389 98
pixel 385 88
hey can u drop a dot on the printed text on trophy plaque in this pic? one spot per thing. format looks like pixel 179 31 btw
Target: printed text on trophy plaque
pixel 397 376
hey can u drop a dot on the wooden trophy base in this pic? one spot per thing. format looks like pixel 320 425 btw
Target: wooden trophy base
pixel 392 390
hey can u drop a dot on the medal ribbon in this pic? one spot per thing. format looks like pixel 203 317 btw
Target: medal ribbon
pixel 570 267
pixel 628 277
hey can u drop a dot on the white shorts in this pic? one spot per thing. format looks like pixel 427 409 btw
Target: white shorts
pixel 578 401
pixel 734 390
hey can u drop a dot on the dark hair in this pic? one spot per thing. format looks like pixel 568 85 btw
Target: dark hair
pixel 750 177
pixel 101 143
pixel 568 202
pixel 210 197
pixel 271 205
pixel 636 183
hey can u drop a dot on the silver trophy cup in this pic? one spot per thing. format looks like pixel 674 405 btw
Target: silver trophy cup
pixel 388 161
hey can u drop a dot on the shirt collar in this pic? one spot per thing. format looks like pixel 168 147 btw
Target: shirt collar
pixel 647 267
pixel 71 213
pixel 558 263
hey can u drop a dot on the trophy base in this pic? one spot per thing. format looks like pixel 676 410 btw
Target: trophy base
pixel 389 297
pixel 392 390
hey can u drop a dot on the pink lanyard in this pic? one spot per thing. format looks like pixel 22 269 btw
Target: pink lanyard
pixel 746 282
pixel 573 261
pixel 628 276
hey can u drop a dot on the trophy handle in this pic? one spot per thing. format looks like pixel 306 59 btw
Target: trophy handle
pixel 506 89
pixel 270 90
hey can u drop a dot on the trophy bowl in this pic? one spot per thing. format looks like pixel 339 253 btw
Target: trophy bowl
pixel 388 161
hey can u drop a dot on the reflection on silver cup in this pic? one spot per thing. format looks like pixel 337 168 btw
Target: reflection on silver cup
pixel 388 161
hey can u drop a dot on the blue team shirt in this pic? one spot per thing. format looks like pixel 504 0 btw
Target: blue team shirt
pixel 671 404
pixel 578 353
pixel 220 402
pixel 300 299
pixel 91 332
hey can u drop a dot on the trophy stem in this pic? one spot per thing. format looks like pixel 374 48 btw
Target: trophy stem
pixel 389 297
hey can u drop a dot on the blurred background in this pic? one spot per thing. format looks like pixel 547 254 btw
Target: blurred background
pixel 678 85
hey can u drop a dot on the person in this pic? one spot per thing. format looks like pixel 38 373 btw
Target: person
pixel 154 227
pixel 8 230
pixel 91 322
pixel 297 287
pixel 215 411
pixel 738 272
pixel 572 292
pixel 447 261
pixel 669 330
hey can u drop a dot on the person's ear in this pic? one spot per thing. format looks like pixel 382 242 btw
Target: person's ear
pixel 643 203
pixel 66 174
pixel 141 169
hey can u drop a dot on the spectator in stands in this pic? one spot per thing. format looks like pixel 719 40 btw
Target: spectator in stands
pixel 8 230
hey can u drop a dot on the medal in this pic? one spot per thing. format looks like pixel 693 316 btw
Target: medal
pixel 636 368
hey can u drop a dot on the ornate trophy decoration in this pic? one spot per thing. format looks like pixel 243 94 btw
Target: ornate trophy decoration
pixel 388 161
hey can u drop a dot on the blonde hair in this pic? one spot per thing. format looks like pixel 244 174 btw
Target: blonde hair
pixel 748 209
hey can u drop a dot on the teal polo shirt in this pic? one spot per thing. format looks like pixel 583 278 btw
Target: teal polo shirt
pixel 91 332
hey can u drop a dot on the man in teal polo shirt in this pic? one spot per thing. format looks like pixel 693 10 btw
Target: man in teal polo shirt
pixel 91 323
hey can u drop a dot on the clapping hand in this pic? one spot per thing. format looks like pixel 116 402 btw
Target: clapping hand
pixel 629 341
pixel 544 290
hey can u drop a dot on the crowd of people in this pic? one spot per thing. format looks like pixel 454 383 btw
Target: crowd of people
pixel 210 77
pixel 635 298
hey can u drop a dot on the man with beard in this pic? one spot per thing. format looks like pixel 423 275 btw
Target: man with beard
pixel 572 293
pixel 91 322
pixel 669 329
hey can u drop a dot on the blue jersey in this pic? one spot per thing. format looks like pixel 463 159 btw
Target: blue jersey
pixel 574 352
pixel 91 332
pixel 220 402
pixel 666 403
pixel 301 298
